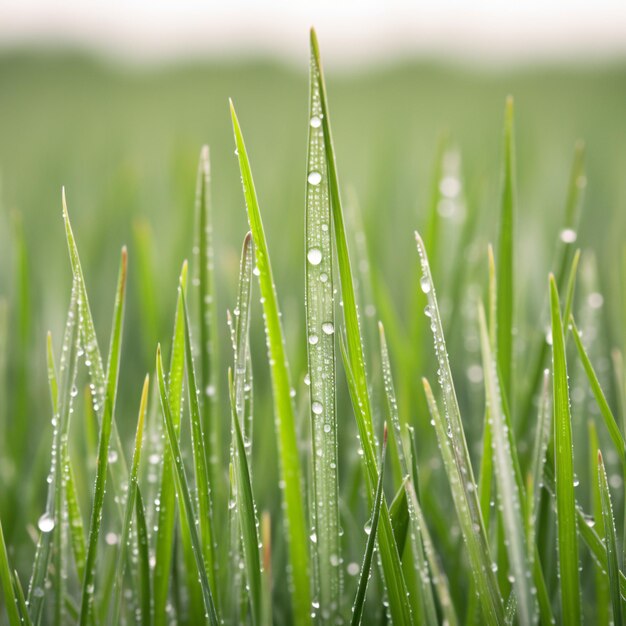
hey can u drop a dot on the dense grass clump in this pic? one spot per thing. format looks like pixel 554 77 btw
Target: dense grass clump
pixel 346 488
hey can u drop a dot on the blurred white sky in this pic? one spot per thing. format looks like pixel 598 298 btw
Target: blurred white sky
pixel 350 31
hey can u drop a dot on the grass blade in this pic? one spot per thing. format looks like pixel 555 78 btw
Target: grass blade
pixel 297 538
pixel 144 560
pixel 359 601
pixel 320 323
pixel 564 465
pixel 11 602
pixel 184 493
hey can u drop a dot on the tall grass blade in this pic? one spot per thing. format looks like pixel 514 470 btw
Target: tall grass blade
pixel 11 602
pixel 320 325
pixel 291 474
pixel 106 428
pixel 184 494
pixel 564 465
pixel 610 541
pixel 145 594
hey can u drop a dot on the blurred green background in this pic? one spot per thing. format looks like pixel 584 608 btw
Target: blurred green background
pixel 124 141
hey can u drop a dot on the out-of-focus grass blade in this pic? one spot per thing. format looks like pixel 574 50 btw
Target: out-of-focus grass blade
pixel 144 561
pixel 564 465
pixel 207 325
pixel 320 325
pixel 457 461
pixel 130 504
pixel 508 493
pixel 184 493
pixel 610 541
pixel 506 254
pixel 10 600
pixel 605 409
pixel 359 601
pixel 355 365
pixel 296 532
pixel 571 287
pixel 106 428
pixel 247 516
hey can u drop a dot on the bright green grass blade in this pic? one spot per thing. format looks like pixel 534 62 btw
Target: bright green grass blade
pixel 201 467
pixel 106 428
pixel 605 409
pixel 247 516
pixel 320 325
pixel 125 535
pixel 610 541
pixel 359 601
pixel 207 326
pixel 508 493
pixel 74 516
pixel 144 560
pixel 506 255
pixel 291 475
pixel 11 602
pixel 167 490
pixel 602 597
pixel 184 493
pixel 564 465
pixel 355 366
pixel 457 461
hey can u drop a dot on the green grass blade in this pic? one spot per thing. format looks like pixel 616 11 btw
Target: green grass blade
pixel 11 602
pixel 355 365
pixel 106 428
pixel 457 460
pixel 296 532
pixel 266 534
pixel 144 560
pixel 508 493
pixel 320 324
pixel 506 255
pixel 359 601
pixel 125 535
pixel 610 541
pixel 21 600
pixel 207 326
pixel 571 287
pixel 247 517
pixel 184 493
pixel 564 465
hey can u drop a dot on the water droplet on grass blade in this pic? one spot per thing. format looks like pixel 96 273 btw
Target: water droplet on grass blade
pixel 46 523
pixel 328 328
pixel 568 235
pixel 316 122
pixel 317 407
pixel 425 284
pixel 314 178
pixel 314 256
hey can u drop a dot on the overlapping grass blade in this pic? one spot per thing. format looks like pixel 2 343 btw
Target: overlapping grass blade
pixel 564 465
pixel 457 461
pixel 610 541
pixel 295 525
pixel 359 601
pixel 11 602
pixel 125 534
pixel 355 365
pixel 184 494
pixel 145 590
pixel 320 325
pixel 509 495
pixel 106 428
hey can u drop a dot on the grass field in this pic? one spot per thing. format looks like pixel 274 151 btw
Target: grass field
pixel 419 146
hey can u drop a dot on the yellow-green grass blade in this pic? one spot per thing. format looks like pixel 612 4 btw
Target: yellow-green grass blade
pixel 564 470
pixel 291 474
pixel 143 555
pixel 610 541
pixel 571 287
pixel 509 496
pixel 266 600
pixel 320 326
pixel 184 494
pixel 207 327
pixel 125 534
pixel 106 428
pixel 354 364
pixel 453 445
pixel 506 255
pixel 11 602
pixel 359 601
pixel 247 517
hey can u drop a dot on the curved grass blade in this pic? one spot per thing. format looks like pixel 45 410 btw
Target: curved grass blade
pixel 185 496
pixel 610 541
pixel 320 325
pixel 106 428
pixel 130 502
pixel 359 601
pixel 296 532
pixel 247 516
pixel 564 465
pixel 11 601
pixel 508 492
pixel 354 364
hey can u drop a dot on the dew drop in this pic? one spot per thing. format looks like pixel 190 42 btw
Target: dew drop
pixel 328 328
pixel 314 178
pixel 568 235
pixel 313 339
pixel 317 407
pixel 315 122
pixel 353 569
pixel 326 428
pixel 45 523
pixel 314 255
pixel 425 284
